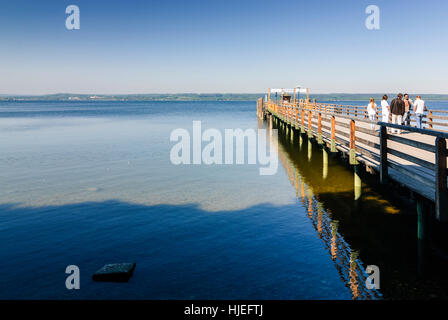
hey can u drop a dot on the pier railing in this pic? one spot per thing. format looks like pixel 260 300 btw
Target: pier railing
pixel 433 119
pixel 417 158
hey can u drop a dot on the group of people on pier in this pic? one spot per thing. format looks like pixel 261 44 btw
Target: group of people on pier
pixel 399 111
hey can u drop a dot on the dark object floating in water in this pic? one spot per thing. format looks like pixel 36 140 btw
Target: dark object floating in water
pixel 116 272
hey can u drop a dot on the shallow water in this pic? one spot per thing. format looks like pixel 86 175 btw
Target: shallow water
pixel 91 183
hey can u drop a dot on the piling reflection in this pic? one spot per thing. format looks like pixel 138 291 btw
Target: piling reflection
pixel 346 260
pixel 359 224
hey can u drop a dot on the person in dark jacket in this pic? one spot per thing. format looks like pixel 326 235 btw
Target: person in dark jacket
pixel 397 108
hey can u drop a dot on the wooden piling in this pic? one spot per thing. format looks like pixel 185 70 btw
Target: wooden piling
pixel 324 163
pixel 310 150
pixel 357 183
pixel 421 220
pixel 441 180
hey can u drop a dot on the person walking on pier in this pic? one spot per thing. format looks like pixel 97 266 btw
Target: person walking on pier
pixel 408 104
pixel 419 109
pixel 371 110
pixel 397 109
pixel 385 110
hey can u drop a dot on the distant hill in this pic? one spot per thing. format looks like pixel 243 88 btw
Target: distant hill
pixel 201 97
pixel 136 97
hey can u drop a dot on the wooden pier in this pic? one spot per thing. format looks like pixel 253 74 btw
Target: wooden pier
pixel 416 158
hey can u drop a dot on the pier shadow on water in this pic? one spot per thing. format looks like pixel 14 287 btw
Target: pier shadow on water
pixel 181 251
pixel 353 213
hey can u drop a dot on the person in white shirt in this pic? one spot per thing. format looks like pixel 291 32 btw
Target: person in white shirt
pixel 419 109
pixel 385 110
pixel 371 110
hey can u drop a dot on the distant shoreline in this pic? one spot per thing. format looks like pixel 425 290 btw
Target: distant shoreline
pixel 202 97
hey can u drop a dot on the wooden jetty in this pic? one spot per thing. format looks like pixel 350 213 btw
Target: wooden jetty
pixel 416 158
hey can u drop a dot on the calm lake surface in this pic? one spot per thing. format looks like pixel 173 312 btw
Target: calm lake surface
pixel 90 183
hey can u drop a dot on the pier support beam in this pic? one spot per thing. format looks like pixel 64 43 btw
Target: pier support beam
pixel 357 183
pixel 421 219
pixel 441 180
pixel 300 142
pixel 310 150
pixel 353 160
pixel 324 163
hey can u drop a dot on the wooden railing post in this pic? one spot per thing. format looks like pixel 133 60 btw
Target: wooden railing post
pixel 441 180
pixel 302 120
pixel 333 134
pixel 319 129
pixel 430 119
pixel 310 117
pixel 353 160
pixel 383 155
pixel 297 116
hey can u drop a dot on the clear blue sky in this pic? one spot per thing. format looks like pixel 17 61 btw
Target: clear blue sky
pixel 222 46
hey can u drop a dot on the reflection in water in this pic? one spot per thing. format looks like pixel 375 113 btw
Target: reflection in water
pixel 362 224
pixel 349 266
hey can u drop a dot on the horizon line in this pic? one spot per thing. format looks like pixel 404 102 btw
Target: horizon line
pixel 199 93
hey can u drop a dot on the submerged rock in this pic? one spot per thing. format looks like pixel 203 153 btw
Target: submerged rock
pixel 116 272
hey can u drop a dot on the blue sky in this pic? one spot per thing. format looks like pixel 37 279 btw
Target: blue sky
pixel 222 46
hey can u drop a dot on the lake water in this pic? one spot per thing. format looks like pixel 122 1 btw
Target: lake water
pixel 90 183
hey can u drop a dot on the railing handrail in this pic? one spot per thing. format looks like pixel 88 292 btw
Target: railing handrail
pixel 361 112
pixel 349 106
pixel 417 130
